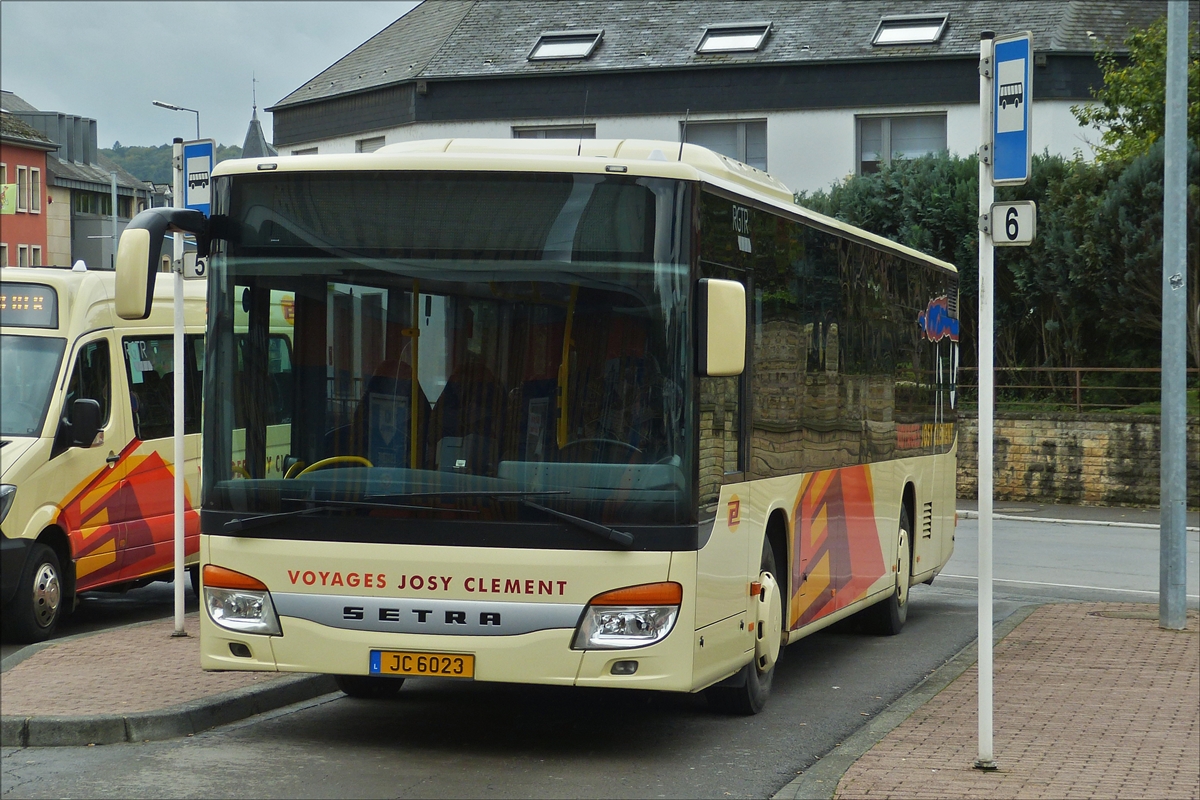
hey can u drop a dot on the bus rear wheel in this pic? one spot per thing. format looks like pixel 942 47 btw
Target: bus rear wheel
pixel 747 692
pixel 891 614
pixel 367 687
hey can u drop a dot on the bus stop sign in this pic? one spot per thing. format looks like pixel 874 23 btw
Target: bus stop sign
pixel 197 167
pixel 1012 111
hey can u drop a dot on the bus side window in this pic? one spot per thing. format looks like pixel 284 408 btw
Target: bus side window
pixel 149 366
pixel 91 378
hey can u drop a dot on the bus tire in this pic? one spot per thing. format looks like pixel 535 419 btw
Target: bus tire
pixel 368 687
pixel 747 692
pixel 891 614
pixel 38 605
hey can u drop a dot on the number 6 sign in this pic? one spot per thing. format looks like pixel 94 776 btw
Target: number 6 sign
pixel 1013 224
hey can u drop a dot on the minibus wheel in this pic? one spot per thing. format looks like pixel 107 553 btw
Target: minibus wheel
pixel 38 604
pixel 747 692
pixel 367 687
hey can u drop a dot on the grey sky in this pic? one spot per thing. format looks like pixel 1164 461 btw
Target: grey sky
pixel 109 60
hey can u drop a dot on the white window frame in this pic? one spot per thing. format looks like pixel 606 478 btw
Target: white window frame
pixel 372 142
pixel 35 190
pixel 588 39
pixel 3 254
pixel 35 256
pixel 885 145
pixel 22 255
pixel 3 172
pixel 913 22
pixel 741 134
pixel 22 188
pixel 710 40
pixel 539 131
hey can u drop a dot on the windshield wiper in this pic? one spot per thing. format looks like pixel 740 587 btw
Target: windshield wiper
pixel 603 531
pixel 365 503
pixel 515 494
pixel 263 519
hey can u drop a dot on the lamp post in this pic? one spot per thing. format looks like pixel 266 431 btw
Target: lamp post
pixel 172 107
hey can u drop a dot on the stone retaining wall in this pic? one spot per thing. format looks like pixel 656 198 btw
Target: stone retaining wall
pixel 1082 459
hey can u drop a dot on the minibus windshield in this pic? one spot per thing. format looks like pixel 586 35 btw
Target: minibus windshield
pixel 30 367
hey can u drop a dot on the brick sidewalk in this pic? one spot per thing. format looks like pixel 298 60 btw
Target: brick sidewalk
pixel 1091 700
pixel 121 671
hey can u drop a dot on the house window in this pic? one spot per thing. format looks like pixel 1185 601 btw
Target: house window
pixel 3 255
pixel 881 139
pixel 84 203
pixel 369 145
pixel 3 172
pixel 35 190
pixel 746 37
pixel 35 256
pixel 909 29
pixel 22 189
pixel 305 151
pixel 22 255
pixel 744 141
pixel 556 132
pixel 104 205
pixel 565 44
pixel 125 207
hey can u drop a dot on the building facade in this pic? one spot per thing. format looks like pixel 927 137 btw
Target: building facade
pixel 810 91
pixel 80 211
pixel 25 204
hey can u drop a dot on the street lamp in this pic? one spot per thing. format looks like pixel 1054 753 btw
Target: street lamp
pixel 171 107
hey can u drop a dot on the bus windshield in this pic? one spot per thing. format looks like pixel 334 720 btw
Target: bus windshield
pixel 450 346
pixel 30 368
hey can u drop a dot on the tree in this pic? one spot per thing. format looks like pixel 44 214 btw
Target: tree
pixel 1130 108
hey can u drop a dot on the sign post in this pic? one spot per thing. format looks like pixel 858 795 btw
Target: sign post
pixel 193 163
pixel 1005 159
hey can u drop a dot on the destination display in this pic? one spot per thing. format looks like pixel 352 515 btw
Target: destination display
pixel 28 305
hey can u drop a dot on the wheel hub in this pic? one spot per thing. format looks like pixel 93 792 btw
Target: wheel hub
pixel 768 623
pixel 902 562
pixel 47 594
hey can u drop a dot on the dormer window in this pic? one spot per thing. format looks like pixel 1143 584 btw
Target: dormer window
pixel 910 29
pixel 743 37
pixel 565 44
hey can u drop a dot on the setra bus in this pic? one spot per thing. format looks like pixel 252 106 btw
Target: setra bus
pixel 598 413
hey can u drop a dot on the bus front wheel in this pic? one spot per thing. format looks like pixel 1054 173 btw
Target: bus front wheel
pixel 747 692
pixel 38 604
pixel 367 687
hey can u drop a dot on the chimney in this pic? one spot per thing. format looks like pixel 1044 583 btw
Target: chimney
pixel 89 143
pixel 76 139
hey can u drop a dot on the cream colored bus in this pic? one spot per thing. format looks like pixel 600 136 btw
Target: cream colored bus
pixel 598 413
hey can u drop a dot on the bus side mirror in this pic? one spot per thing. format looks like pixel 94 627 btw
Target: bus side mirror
pixel 721 334
pixel 85 422
pixel 138 251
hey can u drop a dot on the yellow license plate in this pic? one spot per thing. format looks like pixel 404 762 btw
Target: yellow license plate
pixel 440 665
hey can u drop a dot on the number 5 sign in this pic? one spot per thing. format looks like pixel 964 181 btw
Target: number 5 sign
pixel 1013 224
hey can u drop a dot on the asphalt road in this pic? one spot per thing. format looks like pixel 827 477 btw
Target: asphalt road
pixel 448 739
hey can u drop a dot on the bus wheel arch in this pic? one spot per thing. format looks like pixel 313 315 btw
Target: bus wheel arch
pixel 891 613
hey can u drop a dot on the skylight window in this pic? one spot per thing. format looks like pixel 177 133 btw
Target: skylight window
pixel 565 44
pixel 746 37
pixel 909 30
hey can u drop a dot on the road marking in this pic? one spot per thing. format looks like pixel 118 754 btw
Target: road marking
pixel 1105 523
pixel 1062 585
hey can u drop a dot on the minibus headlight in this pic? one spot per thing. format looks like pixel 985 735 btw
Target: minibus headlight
pixel 239 602
pixel 635 616
pixel 7 493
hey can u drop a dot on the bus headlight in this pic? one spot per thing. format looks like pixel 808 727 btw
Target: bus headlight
pixel 7 493
pixel 239 602
pixel 635 616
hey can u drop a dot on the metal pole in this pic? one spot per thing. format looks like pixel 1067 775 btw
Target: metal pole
pixel 113 260
pixel 987 379
pixel 1172 610
pixel 178 368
